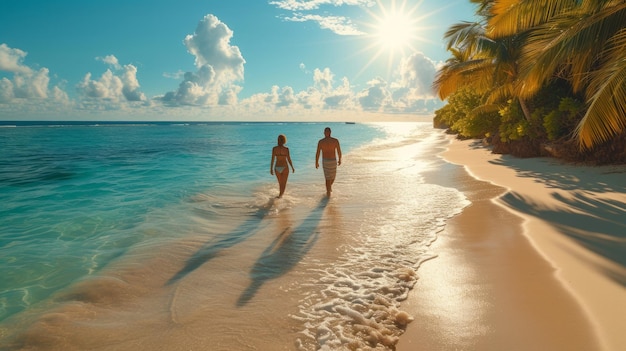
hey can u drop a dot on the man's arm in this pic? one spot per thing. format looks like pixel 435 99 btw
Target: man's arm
pixel 338 152
pixel 317 155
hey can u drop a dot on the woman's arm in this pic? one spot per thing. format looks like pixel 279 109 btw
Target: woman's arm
pixel 293 170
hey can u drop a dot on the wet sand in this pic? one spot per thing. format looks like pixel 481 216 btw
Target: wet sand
pixel 536 262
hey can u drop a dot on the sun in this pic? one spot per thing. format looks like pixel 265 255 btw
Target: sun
pixel 393 31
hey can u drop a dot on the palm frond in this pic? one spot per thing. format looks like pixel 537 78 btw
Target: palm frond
pixel 606 115
pixel 464 35
pixel 485 109
pixel 511 17
pixel 469 73
pixel 572 39
pixel 500 93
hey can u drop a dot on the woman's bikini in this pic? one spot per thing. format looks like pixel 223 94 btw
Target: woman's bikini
pixel 280 169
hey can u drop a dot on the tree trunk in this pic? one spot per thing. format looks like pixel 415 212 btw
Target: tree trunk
pixel 525 109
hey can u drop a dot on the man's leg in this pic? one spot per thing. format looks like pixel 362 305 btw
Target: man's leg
pixel 329 186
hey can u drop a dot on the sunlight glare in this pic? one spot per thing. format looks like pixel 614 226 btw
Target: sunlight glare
pixel 394 31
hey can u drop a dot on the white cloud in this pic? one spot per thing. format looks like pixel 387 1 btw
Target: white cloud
pixel 417 73
pixel 285 97
pixel 176 75
pixel 308 5
pixel 413 88
pixel 321 96
pixel 409 93
pixel 341 97
pixel 323 79
pixel 131 84
pixel 376 97
pixel 33 85
pixel 219 65
pixel 338 24
pixel 119 87
pixel 303 68
pixel 110 60
pixel 11 60
pixel 210 91
pixel 304 10
pixel 27 83
pixel 6 90
pixel 59 95
pixel 107 87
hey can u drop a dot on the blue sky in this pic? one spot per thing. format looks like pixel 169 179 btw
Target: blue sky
pixel 222 60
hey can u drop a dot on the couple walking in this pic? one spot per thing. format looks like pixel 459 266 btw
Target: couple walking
pixel 331 158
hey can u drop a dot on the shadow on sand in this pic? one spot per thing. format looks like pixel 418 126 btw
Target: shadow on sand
pixel 595 223
pixel 284 252
pixel 212 248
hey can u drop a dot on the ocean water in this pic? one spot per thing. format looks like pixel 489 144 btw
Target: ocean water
pixel 164 236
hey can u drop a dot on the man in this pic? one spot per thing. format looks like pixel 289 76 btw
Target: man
pixel 331 158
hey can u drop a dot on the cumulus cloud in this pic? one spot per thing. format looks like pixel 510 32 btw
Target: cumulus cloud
pixel 33 85
pixel 413 87
pixel 417 73
pixel 323 79
pixel 110 60
pixel 376 97
pixel 321 95
pixel 121 86
pixel 11 60
pixel 219 66
pixel 6 90
pixel 27 83
pixel 408 92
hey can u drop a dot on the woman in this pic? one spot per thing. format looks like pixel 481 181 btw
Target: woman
pixel 280 153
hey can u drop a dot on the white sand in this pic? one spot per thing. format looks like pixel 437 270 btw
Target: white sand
pixel 542 252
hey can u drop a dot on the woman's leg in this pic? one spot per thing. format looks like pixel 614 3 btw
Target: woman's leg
pixel 279 179
pixel 282 181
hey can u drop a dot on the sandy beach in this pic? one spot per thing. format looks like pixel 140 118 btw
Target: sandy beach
pixel 485 252
pixel 536 262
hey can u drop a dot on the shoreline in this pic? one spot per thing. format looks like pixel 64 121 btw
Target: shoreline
pixel 536 274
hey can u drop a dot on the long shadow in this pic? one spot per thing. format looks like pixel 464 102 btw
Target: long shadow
pixel 284 252
pixel 566 177
pixel 212 248
pixel 597 225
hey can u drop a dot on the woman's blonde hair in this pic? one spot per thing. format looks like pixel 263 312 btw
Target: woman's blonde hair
pixel 282 139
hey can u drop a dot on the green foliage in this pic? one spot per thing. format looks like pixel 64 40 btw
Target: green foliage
pixel 458 115
pixel 477 125
pixel 513 124
pixel 560 122
pixel 459 106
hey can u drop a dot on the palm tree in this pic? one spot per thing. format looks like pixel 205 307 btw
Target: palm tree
pixel 487 64
pixel 583 41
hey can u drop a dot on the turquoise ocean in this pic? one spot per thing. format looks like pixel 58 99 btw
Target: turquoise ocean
pixel 166 236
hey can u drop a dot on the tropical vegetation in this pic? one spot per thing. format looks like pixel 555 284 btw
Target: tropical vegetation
pixel 539 77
